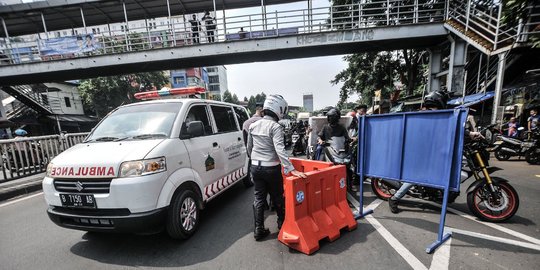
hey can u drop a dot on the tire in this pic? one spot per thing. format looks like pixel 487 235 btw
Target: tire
pixel 480 196
pixel 381 190
pixel 531 157
pixel 184 215
pixel 247 179
pixel 501 156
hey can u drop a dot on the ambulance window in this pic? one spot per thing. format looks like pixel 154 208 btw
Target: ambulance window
pixel 199 113
pixel 224 117
pixel 241 115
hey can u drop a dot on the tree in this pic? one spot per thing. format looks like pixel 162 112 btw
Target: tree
pixel 235 99
pixel 101 95
pixel 227 96
pixel 246 99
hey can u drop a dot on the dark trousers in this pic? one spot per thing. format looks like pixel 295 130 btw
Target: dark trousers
pixel 267 180
pixel 210 35
pixel 195 36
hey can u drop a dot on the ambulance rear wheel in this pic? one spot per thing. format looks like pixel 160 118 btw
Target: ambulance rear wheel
pixel 184 215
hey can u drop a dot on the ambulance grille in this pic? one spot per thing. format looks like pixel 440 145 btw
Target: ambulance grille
pixel 92 186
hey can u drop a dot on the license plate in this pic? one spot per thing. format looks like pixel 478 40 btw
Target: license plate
pixel 78 200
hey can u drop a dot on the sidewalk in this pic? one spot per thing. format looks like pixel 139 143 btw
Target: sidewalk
pixel 20 186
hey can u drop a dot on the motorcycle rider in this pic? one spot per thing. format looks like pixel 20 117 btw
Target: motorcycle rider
pixel 330 130
pixel 266 149
pixel 433 101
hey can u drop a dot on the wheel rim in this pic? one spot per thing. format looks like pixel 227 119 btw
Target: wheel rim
pixel 492 209
pixel 188 214
pixel 382 188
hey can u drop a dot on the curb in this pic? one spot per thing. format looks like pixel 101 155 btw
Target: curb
pixel 20 190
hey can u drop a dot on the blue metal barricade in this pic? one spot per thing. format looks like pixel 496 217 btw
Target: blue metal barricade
pixel 423 148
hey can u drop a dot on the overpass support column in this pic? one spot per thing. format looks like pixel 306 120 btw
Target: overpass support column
pixel 435 56
pixel 498 87
pixel 456 70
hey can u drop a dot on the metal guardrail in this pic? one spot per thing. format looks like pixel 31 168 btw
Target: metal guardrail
pixel 25 156
pixel 484 19
pixel 178 31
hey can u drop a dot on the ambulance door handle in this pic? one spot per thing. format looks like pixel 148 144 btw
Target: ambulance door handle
pixel 215 144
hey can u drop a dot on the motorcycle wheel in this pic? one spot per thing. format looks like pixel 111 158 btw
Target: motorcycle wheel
pixel 483 206
pixel 501 156
pixel 381 189
pixel 531 157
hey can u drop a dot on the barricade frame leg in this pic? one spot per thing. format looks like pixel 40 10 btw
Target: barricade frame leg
pixel 361 169
pixel 441 237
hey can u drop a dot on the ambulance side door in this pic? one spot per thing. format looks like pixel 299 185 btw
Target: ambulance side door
pixel 205 152
pixel 230 137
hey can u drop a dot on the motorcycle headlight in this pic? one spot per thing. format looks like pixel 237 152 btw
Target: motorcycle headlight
pixel 50 166
pixel 142 167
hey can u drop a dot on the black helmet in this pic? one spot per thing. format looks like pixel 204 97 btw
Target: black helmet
pixel 436 99
pixel 333 116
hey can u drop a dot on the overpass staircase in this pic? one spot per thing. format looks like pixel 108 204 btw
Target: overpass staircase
pixel 31 96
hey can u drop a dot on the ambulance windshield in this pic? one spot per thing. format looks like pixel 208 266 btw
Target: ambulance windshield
pixel 139 122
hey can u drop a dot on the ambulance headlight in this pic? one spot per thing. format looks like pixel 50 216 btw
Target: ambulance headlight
pixel 50 166
pixel 142 167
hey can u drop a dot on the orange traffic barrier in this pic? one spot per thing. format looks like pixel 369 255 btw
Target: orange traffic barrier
pixel 316 207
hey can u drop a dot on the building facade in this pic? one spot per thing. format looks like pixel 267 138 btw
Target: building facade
pixel 217 81
pixel 308 102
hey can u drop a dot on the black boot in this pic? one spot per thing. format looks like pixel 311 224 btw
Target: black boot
pixel 260 231
pixel 393 204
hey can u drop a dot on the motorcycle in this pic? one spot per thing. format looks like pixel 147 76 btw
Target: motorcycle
pixel 489 198
pixel 298 143
pixel 506 147
pixel 532 156
pixel 335 152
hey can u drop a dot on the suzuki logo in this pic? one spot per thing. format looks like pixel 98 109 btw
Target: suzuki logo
pixel 79 186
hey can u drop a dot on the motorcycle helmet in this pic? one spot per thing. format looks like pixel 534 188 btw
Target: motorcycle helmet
pixel 436 99
pixel 333 116
pixel 21 132
pixel 277 105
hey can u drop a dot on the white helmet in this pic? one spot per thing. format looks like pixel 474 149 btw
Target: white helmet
pixel 276 104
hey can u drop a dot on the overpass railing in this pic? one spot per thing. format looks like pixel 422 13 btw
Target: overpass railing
pixel 178 31
pixel 25 156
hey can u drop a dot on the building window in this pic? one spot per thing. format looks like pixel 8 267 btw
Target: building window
pixel 214 88
pixel 213 79
pixel 212 69
pixel 68 102
pixel 179 80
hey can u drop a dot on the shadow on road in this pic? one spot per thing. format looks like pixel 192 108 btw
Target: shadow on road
pixel 224 221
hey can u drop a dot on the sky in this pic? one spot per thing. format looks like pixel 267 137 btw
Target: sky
pixel 290 78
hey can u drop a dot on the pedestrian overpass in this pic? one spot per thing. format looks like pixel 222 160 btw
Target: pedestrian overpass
pixel 75 39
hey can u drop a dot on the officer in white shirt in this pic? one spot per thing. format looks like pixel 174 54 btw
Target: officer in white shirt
pixel 266 148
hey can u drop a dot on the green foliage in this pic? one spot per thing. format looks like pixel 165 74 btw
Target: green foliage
pixel 252 101
pixel 101 95
pixel 515 10
pixel 371 71
pixel 227 97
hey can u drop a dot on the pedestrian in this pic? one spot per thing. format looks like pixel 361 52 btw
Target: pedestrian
pixel 266 148
pixel 512 127
pixel 256 117
pixel 195 28
pixel 533 120
pixel 433 101
pixel 361 110
pixel 242 34
pixel 210 24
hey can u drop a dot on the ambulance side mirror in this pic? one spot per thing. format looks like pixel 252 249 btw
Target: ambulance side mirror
pixel 192 129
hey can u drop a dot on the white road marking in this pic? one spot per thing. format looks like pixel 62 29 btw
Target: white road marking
pixel 496 227
pixel 21 199
pixel 400 248
pixel 475 219
pixel 496 239
pixel 441 257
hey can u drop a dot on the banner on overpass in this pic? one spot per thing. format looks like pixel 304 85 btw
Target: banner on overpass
pixel 68 45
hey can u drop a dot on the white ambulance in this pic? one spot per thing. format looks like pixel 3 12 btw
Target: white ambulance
pixel 149 164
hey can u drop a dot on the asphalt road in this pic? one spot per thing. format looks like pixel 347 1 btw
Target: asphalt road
pixel 28 240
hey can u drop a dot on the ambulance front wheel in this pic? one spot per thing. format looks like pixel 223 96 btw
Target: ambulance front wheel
pixel 184 215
